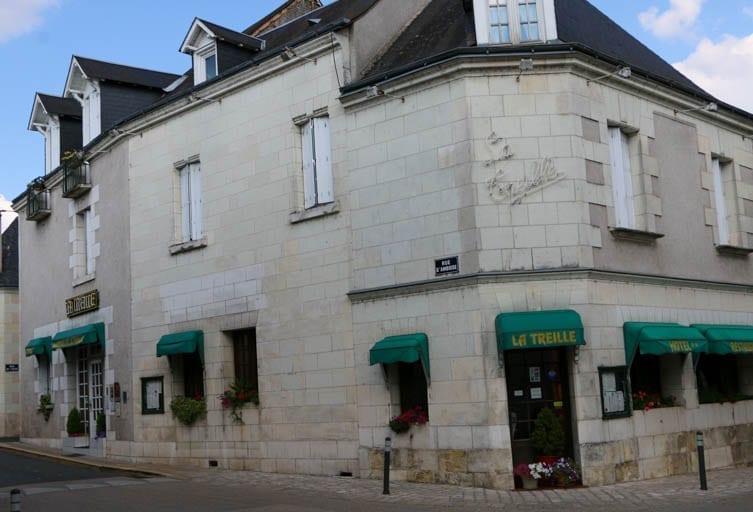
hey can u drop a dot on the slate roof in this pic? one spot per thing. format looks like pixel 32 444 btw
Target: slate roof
pixel 9 247
pixel 280 16
pixel 233 37
pixel 101 70
pixel 298 29
pixel 60 106
pixel 442 30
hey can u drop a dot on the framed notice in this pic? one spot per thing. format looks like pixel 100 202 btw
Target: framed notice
pixel 615 402
pixel 152 396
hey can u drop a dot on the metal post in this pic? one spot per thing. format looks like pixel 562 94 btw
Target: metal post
pixel 701 459
pixel 387 450
pixel 15 500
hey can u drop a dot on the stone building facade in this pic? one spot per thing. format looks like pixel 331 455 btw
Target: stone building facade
pixel 358 222
pixel 9 379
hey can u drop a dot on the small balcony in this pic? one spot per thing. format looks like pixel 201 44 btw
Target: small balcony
pixel 76 180
pixel 37 204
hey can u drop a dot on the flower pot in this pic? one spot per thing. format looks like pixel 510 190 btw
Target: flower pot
pixel 529 483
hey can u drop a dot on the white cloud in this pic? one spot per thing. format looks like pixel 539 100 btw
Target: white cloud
pixel 6 217
pixel 724 69
pixel 673 22
pixel 17 17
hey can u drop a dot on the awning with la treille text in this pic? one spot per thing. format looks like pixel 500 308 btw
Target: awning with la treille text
pixel 539 329
pixel 84 335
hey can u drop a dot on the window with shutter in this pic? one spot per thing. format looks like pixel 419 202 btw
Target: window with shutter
pixel 318 182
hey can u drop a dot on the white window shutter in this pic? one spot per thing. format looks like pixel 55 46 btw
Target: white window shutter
pixel 622 185
pixel 196 207
pixel 323 154
pixel 185 204
pixel 89 244
pixel 309 172
pixel 720 202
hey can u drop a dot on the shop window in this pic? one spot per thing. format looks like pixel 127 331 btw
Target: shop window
pixel 412 384
pixel 656 381
pixel 245 358
pixel 717 379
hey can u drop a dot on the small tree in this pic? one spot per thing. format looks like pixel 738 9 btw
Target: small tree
pixel 101 423
pixel 74 425
pixel 548 437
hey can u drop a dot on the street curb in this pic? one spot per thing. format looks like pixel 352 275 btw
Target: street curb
pixel 86 462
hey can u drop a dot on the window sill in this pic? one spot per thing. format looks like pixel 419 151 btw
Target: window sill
pixel 188 245
pixel 84 279
pixel 635 235
pixel 315 212
pixel 733 250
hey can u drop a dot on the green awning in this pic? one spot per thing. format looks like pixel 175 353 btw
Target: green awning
pixel 407 348
pixel 84 335
pixel 39 346
pixel 539 329
pixel 186 342
pixel 727 339
pixel 661 338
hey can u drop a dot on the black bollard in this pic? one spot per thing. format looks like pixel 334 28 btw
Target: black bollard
pixel 15 500
pixel 387 449
pixel 701 459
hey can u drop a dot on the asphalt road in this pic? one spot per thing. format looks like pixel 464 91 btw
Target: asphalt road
pixel 20 469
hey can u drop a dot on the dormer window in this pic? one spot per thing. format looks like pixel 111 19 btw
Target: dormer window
pixel 205 64
pixel 514 21
pixel 216 49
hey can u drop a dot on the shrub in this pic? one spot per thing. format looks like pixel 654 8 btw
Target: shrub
pixel 101 422
pixel 548 437
pixel 45 406
pixel 74 426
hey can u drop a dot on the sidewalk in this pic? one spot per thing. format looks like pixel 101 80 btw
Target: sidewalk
pixel 671 493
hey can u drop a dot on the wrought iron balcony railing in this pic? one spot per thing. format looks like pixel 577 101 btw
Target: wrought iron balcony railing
pixel 37 204
pixel 76 180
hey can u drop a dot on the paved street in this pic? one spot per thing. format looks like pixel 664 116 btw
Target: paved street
pixel 236 491
pixel 18 468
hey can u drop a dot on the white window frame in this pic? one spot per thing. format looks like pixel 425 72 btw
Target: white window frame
pixel 91 107
pixel 545 14
pixel 316 152
pixel 719 168
pixel 622 177
pixel 200 58
pixel 84 245
pixel 191 202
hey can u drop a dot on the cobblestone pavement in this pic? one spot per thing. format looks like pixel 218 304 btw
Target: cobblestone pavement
pixel 728 489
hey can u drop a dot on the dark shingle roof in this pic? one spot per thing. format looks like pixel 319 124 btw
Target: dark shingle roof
pixel 233 37
pixel 60 106
pixel 288 10
pixel 442 29
pixel 9 247
pixel 101 70
pixel 297 29
pixel 580 22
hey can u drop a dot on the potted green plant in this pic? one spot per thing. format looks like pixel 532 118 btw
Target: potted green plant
pixel 187 410
pixel 548 436
pixel 75 428
pixel 101 425
pixel 45 406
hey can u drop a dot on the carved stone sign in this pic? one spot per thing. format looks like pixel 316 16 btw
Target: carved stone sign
pixel 81 304
pixel 503 190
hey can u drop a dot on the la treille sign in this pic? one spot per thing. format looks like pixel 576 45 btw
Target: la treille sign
pixel 545 338
pixel 81 304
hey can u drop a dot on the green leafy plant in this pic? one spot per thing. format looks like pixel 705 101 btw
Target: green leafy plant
pixel 101 424
pixel 74 426
pixel 45 406
pixel 238 395
pixel 188 410
pixel 548 437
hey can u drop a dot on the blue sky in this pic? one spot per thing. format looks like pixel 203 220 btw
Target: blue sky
pixel 709 40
